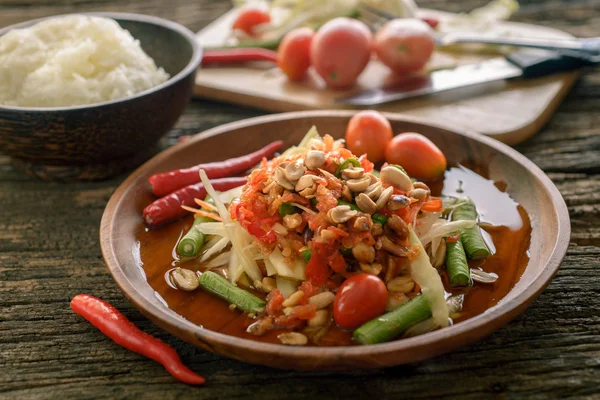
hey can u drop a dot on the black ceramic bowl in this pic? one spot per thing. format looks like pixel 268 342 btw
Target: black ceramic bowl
pixel 98 140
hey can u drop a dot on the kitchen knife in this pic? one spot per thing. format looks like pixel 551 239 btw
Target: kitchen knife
pixel 526 65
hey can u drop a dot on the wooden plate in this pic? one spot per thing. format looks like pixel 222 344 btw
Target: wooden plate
pixel 526 183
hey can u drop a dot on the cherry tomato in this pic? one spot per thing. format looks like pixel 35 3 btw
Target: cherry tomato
pixel 358 300
pixel 340 51
pixel 405 45
pixel 293 55
pixel 419 156
pixel 248 18
pixel 369 132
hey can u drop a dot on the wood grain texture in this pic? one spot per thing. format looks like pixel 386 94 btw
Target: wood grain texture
pixel 49 252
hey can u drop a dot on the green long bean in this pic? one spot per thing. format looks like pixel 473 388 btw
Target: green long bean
pixel 191 243
pixel 471 238
pixel 222 288
pixel 458 270
pixel 392 324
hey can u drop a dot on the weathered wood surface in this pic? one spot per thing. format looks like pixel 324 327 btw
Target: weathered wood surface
pixel 49 252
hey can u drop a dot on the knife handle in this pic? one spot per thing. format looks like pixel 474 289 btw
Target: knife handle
pixel 538 64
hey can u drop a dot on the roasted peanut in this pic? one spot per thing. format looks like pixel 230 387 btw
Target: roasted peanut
pixel 321 318
pixel 292 221
pixel 184 279
pixel 365 203
pixel 395 177
pixel 294 299
pixel 364 253
pixel 401 284
pixel 341 214
pixel 314 159
pixel 292 339
pixel 322 300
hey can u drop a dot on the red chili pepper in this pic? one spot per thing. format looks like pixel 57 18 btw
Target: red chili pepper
pixel 168 208
pixel 123 332
pixel 275 302
pixel 432 22
pixel 236 56
pixel 337 263
pixel 317 270
pixel 167 182
pixel 264 236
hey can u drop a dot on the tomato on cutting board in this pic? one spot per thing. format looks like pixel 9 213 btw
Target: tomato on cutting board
pixel 358 300
pixel 293 54
pixel 369 132
pixel 248 18
pixel 419 156
pixel 405 45
pixel 340 51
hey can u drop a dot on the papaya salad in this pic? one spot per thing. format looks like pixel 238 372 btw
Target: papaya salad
pixel 317 237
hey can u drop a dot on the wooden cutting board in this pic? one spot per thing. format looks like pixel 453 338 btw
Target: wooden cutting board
pixel 510 111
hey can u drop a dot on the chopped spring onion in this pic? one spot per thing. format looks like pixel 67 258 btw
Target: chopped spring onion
pixel 349 162
pixel 286 209
pixel 306 254
pixel 379 218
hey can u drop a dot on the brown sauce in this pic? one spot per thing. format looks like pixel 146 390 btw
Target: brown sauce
pixel 509 230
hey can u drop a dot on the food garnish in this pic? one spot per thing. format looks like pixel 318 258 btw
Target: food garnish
pixel 318 237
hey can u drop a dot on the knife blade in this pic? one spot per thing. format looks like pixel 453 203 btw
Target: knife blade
pixel 526 65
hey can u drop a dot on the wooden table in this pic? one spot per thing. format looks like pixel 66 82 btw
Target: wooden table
pixel 49 252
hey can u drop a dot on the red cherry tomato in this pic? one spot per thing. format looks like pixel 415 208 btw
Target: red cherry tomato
pixel 405 45
pixel 340 51
pixel 358 300
pixel 369 132
pixel 293 55
pixel 419 156
pixel 248 18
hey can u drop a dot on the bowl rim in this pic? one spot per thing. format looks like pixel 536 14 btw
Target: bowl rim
pixel 492 317
pixel 192 65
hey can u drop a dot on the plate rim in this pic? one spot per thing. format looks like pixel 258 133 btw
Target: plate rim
pixel 485 323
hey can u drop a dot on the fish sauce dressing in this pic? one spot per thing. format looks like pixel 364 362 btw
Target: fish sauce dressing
pixel 505 224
